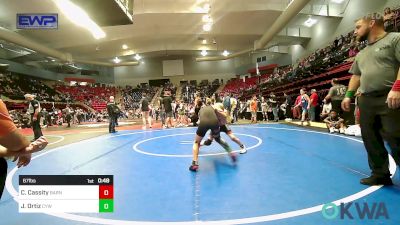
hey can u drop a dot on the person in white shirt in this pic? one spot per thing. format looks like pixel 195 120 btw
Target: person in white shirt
pixel 264 109
pixel 326 109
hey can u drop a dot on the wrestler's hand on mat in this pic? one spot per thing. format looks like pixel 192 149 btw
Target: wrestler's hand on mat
pixel 346 104
pixel 393 99
pixel 23 160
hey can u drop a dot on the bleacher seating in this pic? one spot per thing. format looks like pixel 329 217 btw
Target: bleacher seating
pixel 314 71
pixel 14 86
pixel 238 86
pixel 132 96
pixel 392 19
pixel 204 89
pixel 92 95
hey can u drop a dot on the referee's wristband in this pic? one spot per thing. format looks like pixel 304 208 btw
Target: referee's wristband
pixel 396 86
pixel 350 94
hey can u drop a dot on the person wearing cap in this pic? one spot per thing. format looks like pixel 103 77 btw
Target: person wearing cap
pixel 14 144
pixel 34 111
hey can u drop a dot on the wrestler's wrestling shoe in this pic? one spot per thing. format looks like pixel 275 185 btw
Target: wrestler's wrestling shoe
pixel 233 157
pixel 243 149
pixel 194 167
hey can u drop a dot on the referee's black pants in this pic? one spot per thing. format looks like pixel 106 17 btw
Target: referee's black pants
pixel 379 123
pixel 37 131
pixel 111 125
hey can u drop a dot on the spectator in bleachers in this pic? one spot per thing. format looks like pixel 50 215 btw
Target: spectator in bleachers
pixel 388 16
pixel 94 95
pixel 14 86
pixel 353 49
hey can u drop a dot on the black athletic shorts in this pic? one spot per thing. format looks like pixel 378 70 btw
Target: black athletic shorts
pixel 202 130
pixel 225 128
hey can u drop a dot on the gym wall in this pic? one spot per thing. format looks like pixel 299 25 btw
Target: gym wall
pixel 152 68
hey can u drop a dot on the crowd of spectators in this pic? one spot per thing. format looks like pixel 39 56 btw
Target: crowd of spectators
pixel 204 89
pixel 131 96
pixel 14 86
pixel 343 49
pixel 391 19
pixel 93 95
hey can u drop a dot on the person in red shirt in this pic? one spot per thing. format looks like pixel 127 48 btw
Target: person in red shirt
pixel 13 144
pixel 314 104
pixel 296 110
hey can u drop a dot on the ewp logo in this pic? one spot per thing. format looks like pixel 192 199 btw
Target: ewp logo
pixel 37 21
pixel 364 211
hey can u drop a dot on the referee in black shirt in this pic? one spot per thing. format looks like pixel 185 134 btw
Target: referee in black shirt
pixel 34 111
pixel 113 112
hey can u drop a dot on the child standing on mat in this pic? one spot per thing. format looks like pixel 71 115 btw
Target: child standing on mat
pixel 305 105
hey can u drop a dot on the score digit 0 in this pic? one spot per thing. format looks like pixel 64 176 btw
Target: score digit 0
pixel 106 192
